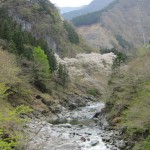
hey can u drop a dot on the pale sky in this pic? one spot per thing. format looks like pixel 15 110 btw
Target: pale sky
pixel 70 3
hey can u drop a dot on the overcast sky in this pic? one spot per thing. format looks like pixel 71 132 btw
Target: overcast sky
pixel 70 3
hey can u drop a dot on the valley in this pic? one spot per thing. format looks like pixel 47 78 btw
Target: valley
pixel 78 84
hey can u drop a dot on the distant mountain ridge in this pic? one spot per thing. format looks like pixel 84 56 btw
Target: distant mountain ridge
pixel 68 9
pixel 95 5
pixel 125 22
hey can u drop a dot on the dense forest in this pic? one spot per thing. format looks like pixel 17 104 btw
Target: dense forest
pixel 95 5
pixel 91 18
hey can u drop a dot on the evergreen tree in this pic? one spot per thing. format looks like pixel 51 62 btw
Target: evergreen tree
pixel 73 36
pixel 62 74
pixel 19 41
pixel 12 47
pixel 5 31
pixel 52 60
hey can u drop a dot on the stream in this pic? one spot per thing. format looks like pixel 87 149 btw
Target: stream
pixel 71 130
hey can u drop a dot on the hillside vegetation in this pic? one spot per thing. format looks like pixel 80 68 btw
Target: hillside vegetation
pixel 128 103
pixel 128 19
pixel 36 83
pixel 43 21
pixel 10 121
pixel 92 17
pixel 31 79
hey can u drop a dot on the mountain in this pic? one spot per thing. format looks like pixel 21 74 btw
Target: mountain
pixel 67 9
pixel 93 6
pixel 121 22
pixel 44 89
pixel 42 19
pixel 32 82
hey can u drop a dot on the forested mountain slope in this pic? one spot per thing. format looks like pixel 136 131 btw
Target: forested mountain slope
pixel 42 19
pixel 36 84
pixel 31 79
pixel 123 21
pixel 95 5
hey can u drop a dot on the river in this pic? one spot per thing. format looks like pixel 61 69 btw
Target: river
pixel 70 130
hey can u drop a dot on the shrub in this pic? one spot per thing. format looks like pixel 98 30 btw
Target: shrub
pixel 93 92
pixel 10 121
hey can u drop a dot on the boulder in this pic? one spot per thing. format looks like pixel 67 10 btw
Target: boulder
pixel 94 143
pixel 106 139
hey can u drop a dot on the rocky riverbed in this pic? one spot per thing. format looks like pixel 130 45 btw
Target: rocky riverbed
pixel 73 130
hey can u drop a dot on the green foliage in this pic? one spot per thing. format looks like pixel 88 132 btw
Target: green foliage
pixel 91 18
pixel 22 42
pixel 3 89
pixel 62 75
pixel 12 47
pixel 42 63
pixel 10 127
pixel 52 60
pixel 5 30
pixel 12 33
pixel 107 50
pixel 19 41
pixel 73 36
pixel 129 95
pixel 123 43
pixel 87 19
pixel 143 145
pixel 93 92
pixel 146 144
pixel 120 56
pixel 10 121
pixel 41 68
pixel 43 21
pixel 50 54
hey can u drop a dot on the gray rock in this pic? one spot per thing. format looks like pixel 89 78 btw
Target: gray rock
pixel 67 125
pixel 111 134
pixel 83 139
pixel 94 143
pixel 88 133
pixel 120 144
pixel 106 139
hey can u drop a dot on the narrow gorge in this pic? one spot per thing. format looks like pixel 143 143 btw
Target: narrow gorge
pixel 80 84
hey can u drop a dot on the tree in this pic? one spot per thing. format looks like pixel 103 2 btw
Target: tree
pixel 5 31
pixel 19 41
pixel 12 47
pixel 120 58
pixel 52 60
pixel 73 36
pixel 62 74
pixel 41 68
pixel 42 63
